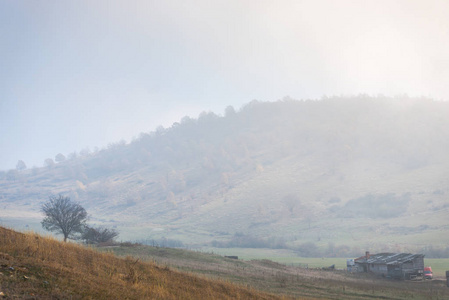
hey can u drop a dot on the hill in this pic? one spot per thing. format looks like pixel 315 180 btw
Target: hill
pixel 329 177
pixel 33 267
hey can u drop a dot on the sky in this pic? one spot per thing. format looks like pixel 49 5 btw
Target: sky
pixel 83 74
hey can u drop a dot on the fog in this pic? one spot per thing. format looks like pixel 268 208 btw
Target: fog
pixel 288 174
pixel 77 74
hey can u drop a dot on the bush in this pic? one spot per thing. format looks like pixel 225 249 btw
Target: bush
pixel 92 235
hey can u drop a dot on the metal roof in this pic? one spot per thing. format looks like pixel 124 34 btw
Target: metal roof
pixel 388 258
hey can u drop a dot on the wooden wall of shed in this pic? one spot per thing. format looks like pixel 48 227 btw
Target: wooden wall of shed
pixel 378 269
pixel 415 264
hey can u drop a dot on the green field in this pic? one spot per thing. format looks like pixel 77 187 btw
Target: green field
pixel 439 265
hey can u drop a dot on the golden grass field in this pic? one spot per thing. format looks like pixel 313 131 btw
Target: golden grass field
pixel 34 267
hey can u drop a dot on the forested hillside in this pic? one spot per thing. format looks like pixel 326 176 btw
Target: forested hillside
pixel 339 174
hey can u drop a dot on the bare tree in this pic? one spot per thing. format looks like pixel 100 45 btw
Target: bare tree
pixel 49 163
pixel 63 216
pixel 59 157
pixel 21 165
pixel 230 111
pixel 94 235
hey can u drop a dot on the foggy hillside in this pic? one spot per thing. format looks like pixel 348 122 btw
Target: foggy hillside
pixel 352 171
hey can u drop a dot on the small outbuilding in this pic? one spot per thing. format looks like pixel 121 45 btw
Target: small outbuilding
pixel 393 265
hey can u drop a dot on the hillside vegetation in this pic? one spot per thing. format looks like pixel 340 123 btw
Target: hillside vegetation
pixel 329 177
pixel 33 267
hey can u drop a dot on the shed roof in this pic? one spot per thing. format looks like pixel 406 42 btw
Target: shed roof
pixel 388 258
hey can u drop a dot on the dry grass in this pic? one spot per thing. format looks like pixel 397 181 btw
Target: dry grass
pixel 34 267
pixel 276 278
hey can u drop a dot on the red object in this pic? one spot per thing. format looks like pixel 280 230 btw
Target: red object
pixel 428 274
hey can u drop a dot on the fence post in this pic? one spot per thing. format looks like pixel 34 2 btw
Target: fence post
pixel 447 278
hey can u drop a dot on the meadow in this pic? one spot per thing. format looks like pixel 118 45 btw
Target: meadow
pixel 32 266
pixel 36 267
pixel 278 272
pixel 288 257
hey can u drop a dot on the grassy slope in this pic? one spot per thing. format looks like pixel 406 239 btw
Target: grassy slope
pixel 35 267
pixel 278 278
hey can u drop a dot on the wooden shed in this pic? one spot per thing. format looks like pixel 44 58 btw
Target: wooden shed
pixel 393 265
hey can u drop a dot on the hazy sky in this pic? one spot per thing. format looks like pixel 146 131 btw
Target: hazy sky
pixel 77 74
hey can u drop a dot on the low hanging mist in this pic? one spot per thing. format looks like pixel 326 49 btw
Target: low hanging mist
pixel 335 174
